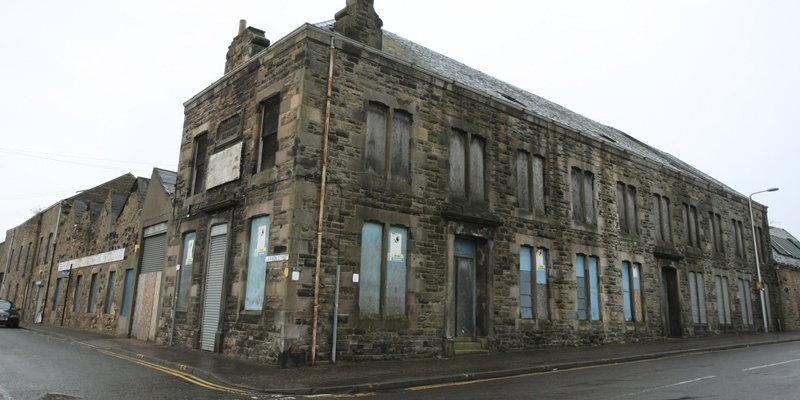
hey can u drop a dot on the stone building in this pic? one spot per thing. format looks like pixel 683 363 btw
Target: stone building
pixel 347 192
pixel 786 255
pixel 80 261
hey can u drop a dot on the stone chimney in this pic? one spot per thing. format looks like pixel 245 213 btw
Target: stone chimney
pixel 246 44
pixel 358 21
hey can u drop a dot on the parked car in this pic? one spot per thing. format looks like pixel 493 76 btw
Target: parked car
pixel 9 314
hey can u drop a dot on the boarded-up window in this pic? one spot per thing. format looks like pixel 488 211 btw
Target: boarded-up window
pixel 268 141
pixel 375 150
pixel 662 217
pixel 632 291
pixel 723 300
pixel 588 290
pixel 387 151
pixel 715 226
pixel 199 168
pixel 257 264
pixel 57 296
pixel 458 158
pixel 77 295
pixel 370 279
pixel 400 145
pixel 690 225
pixel 738 237
pixel 187 262
pixel 127 292
pixel 92 293
pixel 382 286
pixel 112 277
pixel 582 187
pixel 746 301
pixel 533 283
pixel 626 208
pixel 467 165
pixel 476 167
pixel 530 181
pixel 697 295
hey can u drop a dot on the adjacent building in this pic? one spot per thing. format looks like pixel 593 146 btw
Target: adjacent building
pixel 80 258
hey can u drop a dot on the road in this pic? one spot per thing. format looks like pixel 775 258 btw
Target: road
pixel 34 366
pixel 763 372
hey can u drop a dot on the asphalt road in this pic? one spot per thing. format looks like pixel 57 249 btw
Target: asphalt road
pixel 763 372
pixel 34 366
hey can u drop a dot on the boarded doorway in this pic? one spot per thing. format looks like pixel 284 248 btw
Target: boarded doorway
pixel 465 293
pixel 670 302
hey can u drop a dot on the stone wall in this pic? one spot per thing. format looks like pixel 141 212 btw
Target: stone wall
pixel 297 68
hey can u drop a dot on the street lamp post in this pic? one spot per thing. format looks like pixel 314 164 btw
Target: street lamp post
pixel 758 265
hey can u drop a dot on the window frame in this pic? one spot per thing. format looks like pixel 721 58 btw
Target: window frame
pixel 468 181
pixel 531 185
pixel 584 268
pixel 269 125
pixel 633 310
pixel 582 189
pixel 698 298
pixel 627 210
pixel 200 158
pixel 112 282
pixel 538 294
pixel 383 270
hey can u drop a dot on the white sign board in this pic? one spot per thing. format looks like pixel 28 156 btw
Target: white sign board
pixel 224 166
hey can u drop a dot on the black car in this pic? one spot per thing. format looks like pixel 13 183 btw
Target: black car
pixel 9 315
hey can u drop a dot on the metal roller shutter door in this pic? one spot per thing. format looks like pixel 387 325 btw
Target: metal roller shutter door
pixel 213 292
pixel 153 256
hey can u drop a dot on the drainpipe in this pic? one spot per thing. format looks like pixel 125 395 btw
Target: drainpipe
pixel 52 259
pixel 322 203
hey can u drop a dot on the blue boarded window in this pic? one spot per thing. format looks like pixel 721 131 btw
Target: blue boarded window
pixel 588 287
pixel 534 300
pixel 632 291
pixel 257 264
pixel 382 285
pixel 127 292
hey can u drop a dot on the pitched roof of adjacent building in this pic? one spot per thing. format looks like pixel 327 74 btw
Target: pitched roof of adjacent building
pixel 785 247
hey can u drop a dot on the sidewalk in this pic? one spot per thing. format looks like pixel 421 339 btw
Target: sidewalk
pixel 355 377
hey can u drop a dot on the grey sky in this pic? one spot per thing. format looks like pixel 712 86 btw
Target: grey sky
pixel 99 85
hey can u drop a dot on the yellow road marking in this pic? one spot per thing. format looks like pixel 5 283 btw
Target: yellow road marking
pixel 182 375
pixel 555 371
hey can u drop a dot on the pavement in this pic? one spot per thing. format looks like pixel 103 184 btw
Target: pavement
pixel 361 377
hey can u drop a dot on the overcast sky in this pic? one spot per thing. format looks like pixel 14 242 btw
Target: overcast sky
pixel 90 90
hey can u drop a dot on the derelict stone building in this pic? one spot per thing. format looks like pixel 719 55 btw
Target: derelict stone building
pixel 346 191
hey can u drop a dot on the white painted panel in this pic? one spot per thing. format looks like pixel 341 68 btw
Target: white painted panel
pixel 224 166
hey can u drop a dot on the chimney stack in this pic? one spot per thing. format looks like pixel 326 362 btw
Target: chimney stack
pixel 247 43
pixel 359 21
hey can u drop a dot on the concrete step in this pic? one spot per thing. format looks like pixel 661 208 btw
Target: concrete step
pixel 461 348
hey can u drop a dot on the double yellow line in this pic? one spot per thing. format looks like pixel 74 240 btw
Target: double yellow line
pixel 182 375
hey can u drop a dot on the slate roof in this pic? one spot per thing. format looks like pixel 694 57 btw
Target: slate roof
pixel 454 71
pixel 168 179
pixel 785 247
